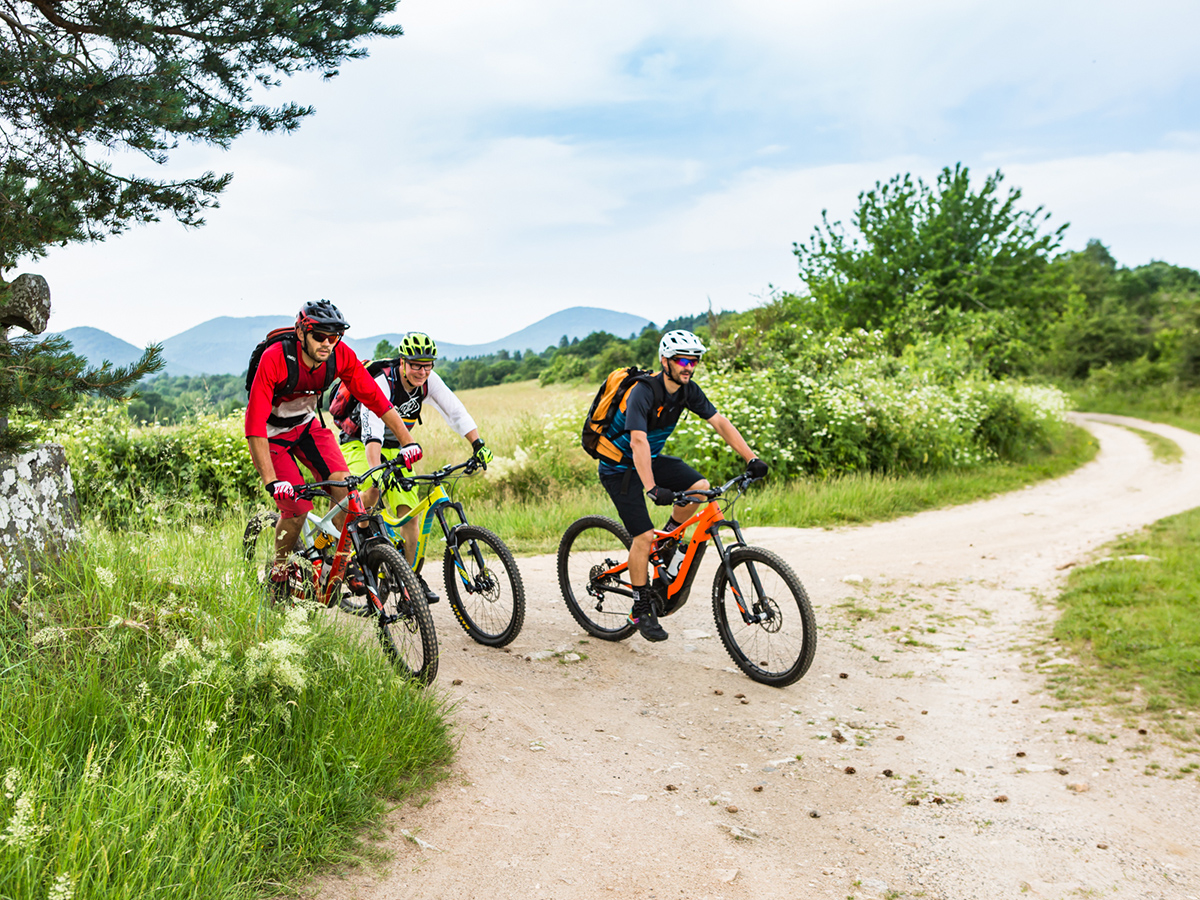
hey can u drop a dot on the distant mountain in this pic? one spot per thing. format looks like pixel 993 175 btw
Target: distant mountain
pixel 222 346
pixel 576 322
pixel 96 346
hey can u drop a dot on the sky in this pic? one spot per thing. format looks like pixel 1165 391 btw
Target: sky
pixel 503 161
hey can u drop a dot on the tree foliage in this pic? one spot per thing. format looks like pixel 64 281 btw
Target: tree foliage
pixel 80 79
pixel 936 259
pixel 41 381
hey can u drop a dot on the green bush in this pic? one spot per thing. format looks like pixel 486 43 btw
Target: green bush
pixel 130 474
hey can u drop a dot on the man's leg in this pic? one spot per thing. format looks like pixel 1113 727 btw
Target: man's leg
pixel 625 491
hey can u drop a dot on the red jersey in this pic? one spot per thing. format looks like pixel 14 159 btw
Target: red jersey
pixel 299 407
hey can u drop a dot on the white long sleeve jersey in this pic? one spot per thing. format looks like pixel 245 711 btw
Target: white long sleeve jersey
pixel 409 407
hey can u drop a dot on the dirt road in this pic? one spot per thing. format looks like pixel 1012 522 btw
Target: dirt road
pixel 633 771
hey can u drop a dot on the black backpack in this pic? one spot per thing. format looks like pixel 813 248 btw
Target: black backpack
pixel 609 398
pixel 286 336
pixel 344 407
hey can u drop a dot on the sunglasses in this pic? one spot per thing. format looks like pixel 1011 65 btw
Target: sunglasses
pixel 420 366
pixel 322 338
pixel 687 362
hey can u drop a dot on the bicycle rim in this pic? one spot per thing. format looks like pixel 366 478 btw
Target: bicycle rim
pixel 258 542
pixel 488 600
pixel 590 546
pixel 405 624
pixel 778 650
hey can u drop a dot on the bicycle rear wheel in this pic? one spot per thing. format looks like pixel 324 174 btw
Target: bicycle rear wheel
pixel 258 541
pixel 489 600
pixel 779 650
pixel 405 623
pixel 589 547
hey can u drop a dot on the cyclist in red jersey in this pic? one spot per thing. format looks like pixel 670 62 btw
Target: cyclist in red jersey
pixel 284 429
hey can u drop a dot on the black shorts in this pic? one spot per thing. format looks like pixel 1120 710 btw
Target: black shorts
pixel 625 488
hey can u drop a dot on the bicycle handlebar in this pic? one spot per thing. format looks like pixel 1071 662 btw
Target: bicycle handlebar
pixel 686 498
pixel 313 488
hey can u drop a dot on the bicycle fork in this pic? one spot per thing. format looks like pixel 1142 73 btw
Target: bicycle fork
pixel 749 615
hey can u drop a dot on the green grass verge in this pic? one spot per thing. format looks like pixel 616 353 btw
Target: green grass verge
pixel 1168 404
pixel 1137 622
pixel 1164 449
pixel 162 734
pixel 536 526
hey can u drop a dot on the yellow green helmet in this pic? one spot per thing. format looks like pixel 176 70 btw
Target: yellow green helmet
pixel 417 345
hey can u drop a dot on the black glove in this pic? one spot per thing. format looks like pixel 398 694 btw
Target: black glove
pixel 661 496
pixel 481 451
pixel 756 468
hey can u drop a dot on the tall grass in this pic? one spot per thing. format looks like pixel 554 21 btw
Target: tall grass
pixel 163 734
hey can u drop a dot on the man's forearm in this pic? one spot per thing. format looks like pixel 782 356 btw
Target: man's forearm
pixel 733 438
pixel 392 420
pixel 260 455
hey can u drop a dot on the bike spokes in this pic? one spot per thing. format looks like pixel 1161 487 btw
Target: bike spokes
pixel 767 625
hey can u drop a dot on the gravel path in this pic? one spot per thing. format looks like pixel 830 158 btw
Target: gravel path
pixel 661 771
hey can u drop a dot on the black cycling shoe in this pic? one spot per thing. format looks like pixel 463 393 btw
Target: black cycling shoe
pixel 431 596
pixel 642 615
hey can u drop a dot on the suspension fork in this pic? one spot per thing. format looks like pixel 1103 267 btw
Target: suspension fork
pixel 750 617
pixel 451 532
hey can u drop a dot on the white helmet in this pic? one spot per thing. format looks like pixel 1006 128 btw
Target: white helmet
pixel 674 343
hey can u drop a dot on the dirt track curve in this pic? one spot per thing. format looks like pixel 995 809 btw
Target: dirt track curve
pixel 560 788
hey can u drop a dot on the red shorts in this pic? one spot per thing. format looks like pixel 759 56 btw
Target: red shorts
pixel 316 448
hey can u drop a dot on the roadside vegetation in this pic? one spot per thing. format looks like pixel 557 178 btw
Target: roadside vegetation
pixel 165 734
pixel 1134 619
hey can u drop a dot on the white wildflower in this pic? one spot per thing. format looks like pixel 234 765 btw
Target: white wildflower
pixel 23 830
pixel 62 889
pixel 105 577
pixel 12 781
pixel 48 636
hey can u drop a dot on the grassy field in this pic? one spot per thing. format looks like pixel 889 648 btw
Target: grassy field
pixel 1135 619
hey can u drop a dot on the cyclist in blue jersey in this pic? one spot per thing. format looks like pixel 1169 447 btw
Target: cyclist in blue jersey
pixel 640 430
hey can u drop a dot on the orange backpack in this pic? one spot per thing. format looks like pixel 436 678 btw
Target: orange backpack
pixel 610 398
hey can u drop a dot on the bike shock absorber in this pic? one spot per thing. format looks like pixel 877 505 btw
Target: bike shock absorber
pixel 321 540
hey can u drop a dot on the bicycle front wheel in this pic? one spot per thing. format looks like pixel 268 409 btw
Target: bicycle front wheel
pixel 486 594
pixel 778 649
pixel 590 547
pixel 405 624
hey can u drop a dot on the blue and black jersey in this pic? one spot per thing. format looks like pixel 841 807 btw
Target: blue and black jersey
pixel 637 414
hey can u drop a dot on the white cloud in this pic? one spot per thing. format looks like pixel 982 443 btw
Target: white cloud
pixel 503 161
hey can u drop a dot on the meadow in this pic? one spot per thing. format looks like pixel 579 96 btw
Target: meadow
pixel 167 734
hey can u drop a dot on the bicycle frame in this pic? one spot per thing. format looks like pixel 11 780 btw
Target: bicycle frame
pixel 359 530
pixel 709 520
pixel 435 506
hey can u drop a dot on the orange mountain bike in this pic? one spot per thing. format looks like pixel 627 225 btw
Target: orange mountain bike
pixel 762 612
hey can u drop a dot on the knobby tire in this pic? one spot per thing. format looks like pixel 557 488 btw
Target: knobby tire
pixel 777 652
pixel 405 625
pixel 492 610
pixel 590 545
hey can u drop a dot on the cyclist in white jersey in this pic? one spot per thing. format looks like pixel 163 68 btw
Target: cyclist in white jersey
pixel 409 383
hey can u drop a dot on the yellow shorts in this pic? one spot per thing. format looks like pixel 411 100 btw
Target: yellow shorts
pixel 356 461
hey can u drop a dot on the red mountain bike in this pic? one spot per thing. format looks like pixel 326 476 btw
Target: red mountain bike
pixel 357 568
pixel 761 610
